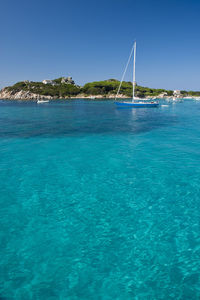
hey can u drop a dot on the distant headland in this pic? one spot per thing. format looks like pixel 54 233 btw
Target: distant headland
pixel 65 88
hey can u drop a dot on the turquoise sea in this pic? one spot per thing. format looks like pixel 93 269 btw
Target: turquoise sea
pixel 99 202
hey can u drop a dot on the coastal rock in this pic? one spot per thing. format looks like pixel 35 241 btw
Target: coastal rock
pixel 21 95
pixel 110 96
pixel 121 96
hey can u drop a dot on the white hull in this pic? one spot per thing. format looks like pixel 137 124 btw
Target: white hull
pixel 141 99
pixel 42 101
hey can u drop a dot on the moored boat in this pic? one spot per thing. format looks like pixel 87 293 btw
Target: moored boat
pixel 136 102
pixel 42 101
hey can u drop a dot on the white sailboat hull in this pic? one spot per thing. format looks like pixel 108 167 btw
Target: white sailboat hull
pixel 138 104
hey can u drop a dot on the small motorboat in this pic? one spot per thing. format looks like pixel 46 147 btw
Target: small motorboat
pixel 42 101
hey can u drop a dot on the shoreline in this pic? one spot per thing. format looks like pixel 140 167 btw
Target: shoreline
pixel 92 98
pixel 5 95
pixel 28 96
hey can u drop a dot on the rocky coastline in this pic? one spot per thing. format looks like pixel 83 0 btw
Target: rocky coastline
pixel 22 95
pixel 5 94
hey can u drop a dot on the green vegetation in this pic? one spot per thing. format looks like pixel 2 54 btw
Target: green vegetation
pixel 60 90
pixel 192 93
pixel 111 86
pixel 103 88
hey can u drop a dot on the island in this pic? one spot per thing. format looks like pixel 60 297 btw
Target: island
pixel 65 88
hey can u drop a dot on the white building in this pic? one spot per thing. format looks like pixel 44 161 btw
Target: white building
pixel 47 81
pixel 177 93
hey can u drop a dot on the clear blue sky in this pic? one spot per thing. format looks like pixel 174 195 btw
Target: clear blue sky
pixel 91 40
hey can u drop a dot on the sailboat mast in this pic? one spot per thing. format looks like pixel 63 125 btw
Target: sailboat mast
pixel 134 83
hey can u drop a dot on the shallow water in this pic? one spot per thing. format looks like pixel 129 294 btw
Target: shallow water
pixel 99 202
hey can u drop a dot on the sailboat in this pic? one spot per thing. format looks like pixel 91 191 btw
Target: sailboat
pixel 136 102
